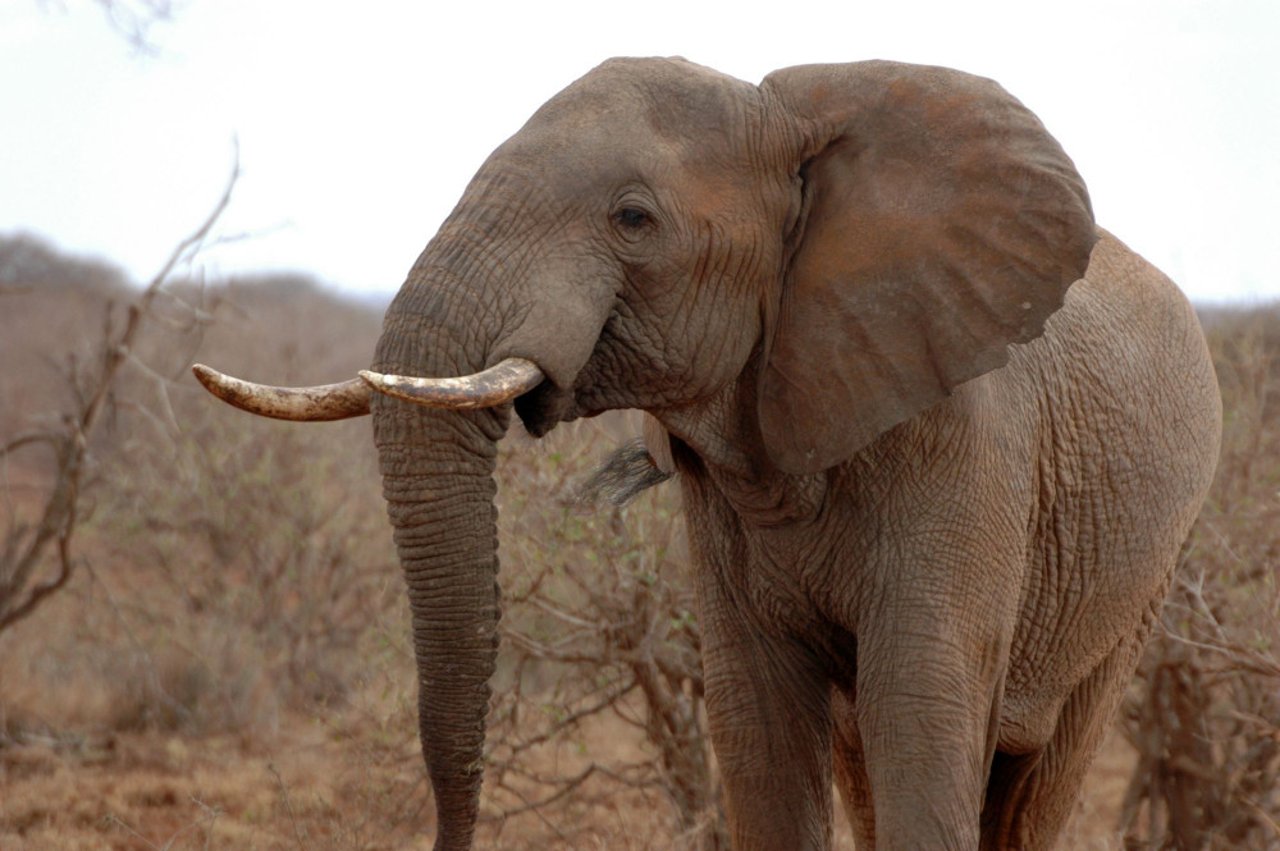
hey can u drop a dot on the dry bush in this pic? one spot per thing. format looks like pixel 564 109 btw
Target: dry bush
pixel 259 550
pixel 37 557
pixel 231 567
pixel 1206 720
pixel 260 546
pixel 260 553
pixel 598 623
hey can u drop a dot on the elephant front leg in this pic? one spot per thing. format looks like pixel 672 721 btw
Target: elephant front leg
pixel 927 714
pixel 768 706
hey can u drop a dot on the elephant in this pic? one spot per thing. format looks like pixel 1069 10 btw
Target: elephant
pixel 939 437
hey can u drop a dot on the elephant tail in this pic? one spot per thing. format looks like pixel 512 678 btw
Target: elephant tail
pixel 628 471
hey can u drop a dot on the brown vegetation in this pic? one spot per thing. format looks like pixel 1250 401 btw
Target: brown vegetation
pixel 230 668
pixel 90 382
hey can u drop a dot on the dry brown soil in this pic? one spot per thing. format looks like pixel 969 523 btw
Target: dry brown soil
pixel 315 785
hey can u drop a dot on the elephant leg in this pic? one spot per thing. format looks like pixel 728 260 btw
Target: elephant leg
pixel 1029 797
pixel 851 771
pixel 768 707
pixel 928 698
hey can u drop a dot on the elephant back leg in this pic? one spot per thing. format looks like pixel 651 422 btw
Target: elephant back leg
pixel 1030 796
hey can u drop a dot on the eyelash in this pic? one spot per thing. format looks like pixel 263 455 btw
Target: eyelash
pixel 632 218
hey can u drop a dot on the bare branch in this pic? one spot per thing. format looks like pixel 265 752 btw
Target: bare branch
pixel 133 20
pixel 26 547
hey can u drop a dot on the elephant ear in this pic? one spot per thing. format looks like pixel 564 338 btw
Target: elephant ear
pixel 939 222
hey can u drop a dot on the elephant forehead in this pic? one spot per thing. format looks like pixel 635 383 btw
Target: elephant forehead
pixel 641 105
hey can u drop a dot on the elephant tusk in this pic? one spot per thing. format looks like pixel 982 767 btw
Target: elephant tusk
pixel 497 384
pixel 316 404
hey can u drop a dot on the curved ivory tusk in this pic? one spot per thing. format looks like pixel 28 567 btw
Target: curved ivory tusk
pixel 493 386
pixel 315 404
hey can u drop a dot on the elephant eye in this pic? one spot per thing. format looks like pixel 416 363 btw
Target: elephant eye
pixel 631 218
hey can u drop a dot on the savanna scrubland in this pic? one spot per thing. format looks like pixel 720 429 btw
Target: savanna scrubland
pixel 227 664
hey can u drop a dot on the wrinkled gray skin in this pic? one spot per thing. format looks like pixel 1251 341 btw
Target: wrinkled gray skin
pixel 927 558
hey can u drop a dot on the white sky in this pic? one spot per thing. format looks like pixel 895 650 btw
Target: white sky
pixel 360 123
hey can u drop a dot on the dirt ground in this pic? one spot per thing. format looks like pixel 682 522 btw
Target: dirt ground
pixel 324 786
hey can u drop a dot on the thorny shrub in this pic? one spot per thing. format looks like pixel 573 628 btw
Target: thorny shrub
pixel 262 555
pixel 598 620
pixel 231 567
pixel 260 550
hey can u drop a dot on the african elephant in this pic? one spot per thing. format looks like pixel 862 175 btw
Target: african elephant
pixel 939 437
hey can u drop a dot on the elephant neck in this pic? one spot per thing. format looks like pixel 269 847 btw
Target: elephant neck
pixel 717 443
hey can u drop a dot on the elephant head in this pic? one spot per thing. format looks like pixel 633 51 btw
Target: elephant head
pixel 787 269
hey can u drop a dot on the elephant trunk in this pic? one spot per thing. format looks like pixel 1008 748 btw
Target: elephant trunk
pixel 437 469
pixel 459 313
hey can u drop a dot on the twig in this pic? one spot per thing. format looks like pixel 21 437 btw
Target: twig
pixel 288 806
pixel 533 806
pixel 572 719
pixel 113 819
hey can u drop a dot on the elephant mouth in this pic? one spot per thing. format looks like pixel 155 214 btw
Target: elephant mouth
pixel 545 406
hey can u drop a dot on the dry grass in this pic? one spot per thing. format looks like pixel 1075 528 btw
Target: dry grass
pixel 233 669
